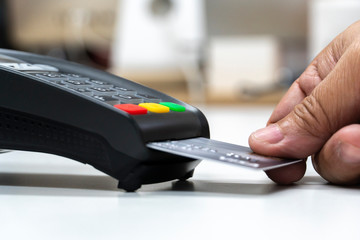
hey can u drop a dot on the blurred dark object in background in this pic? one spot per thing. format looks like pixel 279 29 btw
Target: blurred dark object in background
pixel 4 25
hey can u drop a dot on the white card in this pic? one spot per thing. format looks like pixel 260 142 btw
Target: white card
pixel 208 149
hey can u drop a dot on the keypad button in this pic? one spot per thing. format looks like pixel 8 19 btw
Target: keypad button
pixel 126 91
pixel 131 109
pixel 76 84
pixel 98 83
pixel 54 77
pixel 173 106
pixel 60 83
pixel 73 76
pixel 83 91
pixel 154 107
pixel 107 99
pixel 103 91
pixel 128 99
pixel 148 98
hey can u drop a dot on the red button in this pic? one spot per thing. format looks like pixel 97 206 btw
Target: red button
pixel 131 109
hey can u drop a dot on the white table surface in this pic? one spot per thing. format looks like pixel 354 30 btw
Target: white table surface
pixel 49 197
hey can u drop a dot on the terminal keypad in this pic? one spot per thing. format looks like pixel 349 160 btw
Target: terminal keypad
pixel 110 93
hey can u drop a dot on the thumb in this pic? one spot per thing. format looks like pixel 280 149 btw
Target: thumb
pixel 332 104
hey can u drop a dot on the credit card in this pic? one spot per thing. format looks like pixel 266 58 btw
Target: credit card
pixel 208 149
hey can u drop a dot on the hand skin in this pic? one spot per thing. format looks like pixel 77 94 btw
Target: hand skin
pixel 319 116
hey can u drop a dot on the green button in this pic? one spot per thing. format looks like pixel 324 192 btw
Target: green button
pixel 174 107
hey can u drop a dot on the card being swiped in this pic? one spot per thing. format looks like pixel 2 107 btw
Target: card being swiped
pixel 208 149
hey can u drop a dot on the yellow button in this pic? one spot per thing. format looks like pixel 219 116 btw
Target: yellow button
pixel 154 107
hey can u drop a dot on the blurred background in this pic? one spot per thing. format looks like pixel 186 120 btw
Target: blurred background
pixel 200 51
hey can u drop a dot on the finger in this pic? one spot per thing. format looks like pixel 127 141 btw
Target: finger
pixel 339 160
pixel 330 106
pixel 288 174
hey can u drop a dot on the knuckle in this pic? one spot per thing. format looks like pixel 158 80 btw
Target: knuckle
pixel 308 81
pixel 311 117
pixel 355 46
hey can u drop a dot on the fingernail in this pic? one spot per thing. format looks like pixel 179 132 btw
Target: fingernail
pixel 271 134
pixel 349 153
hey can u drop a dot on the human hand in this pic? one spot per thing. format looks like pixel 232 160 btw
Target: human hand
pixel 319 117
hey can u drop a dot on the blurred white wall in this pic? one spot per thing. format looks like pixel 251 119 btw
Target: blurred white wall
pixel 328 18
pixel 281 18
pixel 242 64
